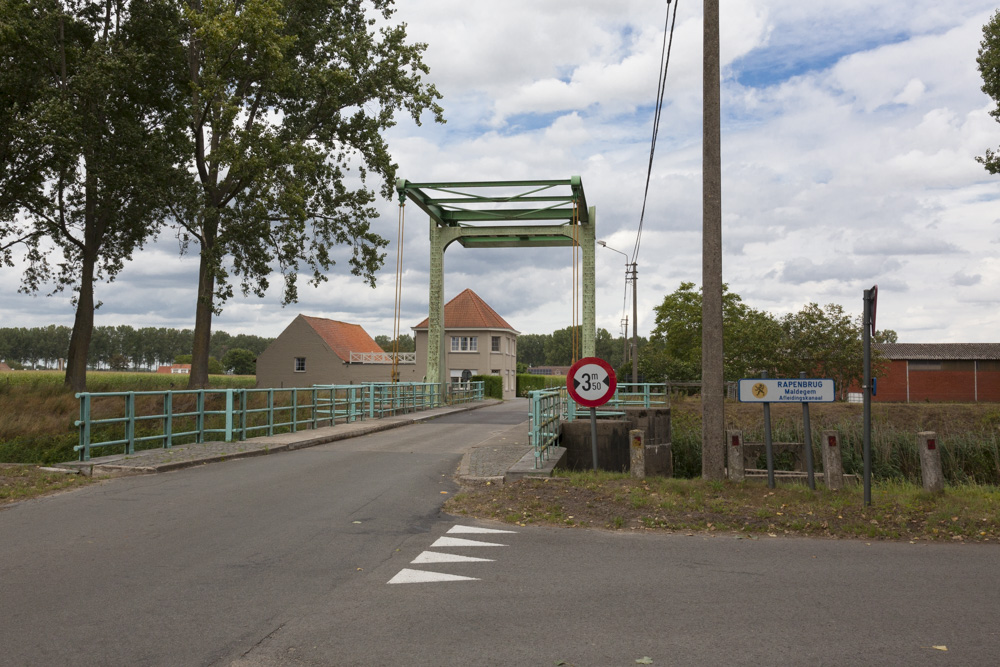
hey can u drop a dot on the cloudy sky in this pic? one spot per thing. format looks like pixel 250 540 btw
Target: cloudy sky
pixel 850 130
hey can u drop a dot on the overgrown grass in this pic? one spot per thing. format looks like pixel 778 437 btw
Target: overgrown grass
pixel 899 511
pixel 968 437
pixel 37 413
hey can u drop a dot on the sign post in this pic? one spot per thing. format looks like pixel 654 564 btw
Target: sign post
pixel 787 390
pixel 591 382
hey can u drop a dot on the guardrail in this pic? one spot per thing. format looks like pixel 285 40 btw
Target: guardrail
pixel 180 417
pixel 544 418
pixel 627 395
pixel 548 407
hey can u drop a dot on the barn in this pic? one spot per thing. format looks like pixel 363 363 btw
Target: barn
pixel 938 372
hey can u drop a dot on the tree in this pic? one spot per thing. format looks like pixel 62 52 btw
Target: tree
pixel 240 362
pixel 989 68
pixel 89 163
pixel 285 98
pixel 750 336
pixel 531 349
pixel 406 343
pixel 826 342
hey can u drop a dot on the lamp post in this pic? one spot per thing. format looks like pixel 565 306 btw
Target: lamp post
pixel 635 311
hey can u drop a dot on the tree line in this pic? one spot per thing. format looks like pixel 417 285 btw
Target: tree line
pixel 125 348
pixel 821 341
pixel 252 131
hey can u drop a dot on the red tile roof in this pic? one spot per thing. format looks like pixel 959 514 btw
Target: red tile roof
pixel 343 338
pixel 469 311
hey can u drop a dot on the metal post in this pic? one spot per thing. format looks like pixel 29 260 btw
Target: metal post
pixel 168 419
pixel 866 388
pixel 200 402
pixel 768 446
pixel 84 426
pixel 270 411
pixel 807 443
pixel 229 415
pixel 593 434
pixel 588 332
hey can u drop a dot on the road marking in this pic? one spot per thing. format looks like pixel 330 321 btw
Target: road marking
pixel 472 529
pixel 407 576
pixel 431 557
pixel 411 576
pixel 459 542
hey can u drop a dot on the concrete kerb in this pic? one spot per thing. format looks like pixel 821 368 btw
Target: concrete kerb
pixel 152 460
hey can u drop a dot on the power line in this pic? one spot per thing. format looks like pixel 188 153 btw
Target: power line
pixel 668 41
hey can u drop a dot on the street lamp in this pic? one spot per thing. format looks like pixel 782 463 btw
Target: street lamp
pixel 635 312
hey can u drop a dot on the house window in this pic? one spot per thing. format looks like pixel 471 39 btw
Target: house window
pixel 464 343
pixel 300 364
pixel 495 343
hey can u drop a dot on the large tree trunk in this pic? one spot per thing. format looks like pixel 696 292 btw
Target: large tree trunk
pixel 202 323
pixel 83 329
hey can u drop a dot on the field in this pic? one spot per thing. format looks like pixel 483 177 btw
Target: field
pixel 37 412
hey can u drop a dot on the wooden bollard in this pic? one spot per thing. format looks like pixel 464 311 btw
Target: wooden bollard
pixel 734 450
pixel 637 453
pixel 833 462
pixel 930 461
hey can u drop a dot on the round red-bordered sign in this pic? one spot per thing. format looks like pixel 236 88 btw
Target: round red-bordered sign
pixel 591 382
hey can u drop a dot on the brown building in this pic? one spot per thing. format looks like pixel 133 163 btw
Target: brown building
pixel 314 350
pixel 939 372
pixel 477 341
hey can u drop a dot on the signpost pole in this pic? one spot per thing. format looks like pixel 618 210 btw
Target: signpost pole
pixel 768 448
pixel 807 441
pixel 591 382
pixel 593 435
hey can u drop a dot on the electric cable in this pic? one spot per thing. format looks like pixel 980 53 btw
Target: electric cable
pixel 668 41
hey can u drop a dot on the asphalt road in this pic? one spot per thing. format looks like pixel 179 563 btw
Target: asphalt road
pixel 287 559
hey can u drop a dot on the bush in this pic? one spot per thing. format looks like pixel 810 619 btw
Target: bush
pixel 527 382
pixel 492 385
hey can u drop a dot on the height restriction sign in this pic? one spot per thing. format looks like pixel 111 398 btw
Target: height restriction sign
pixel 591 382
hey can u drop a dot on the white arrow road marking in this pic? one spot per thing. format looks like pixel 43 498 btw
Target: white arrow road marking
pixel 473 529
pixel 431 557
pixel 459 542
pixel 407 576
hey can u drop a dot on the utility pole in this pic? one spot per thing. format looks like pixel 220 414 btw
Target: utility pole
pixel 635 325
pixel 712 398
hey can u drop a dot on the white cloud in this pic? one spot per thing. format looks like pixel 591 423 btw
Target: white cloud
pixel 849 143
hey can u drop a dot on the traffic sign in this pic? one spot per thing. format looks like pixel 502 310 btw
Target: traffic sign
pixel 780 390
pixel 591 382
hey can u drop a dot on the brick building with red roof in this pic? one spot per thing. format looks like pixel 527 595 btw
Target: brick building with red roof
pixel 939 372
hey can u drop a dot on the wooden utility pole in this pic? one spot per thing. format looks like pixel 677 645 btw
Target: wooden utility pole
pixel 712 398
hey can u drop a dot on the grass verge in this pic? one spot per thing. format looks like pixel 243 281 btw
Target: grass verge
pixel 22 482
pixel 899 510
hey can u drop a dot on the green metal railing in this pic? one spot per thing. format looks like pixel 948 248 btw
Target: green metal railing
pixel 549 407
pixel 180 417
pixel 627 395
pixel 545 414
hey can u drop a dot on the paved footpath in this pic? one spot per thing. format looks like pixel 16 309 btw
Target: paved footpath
pixel 488 461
